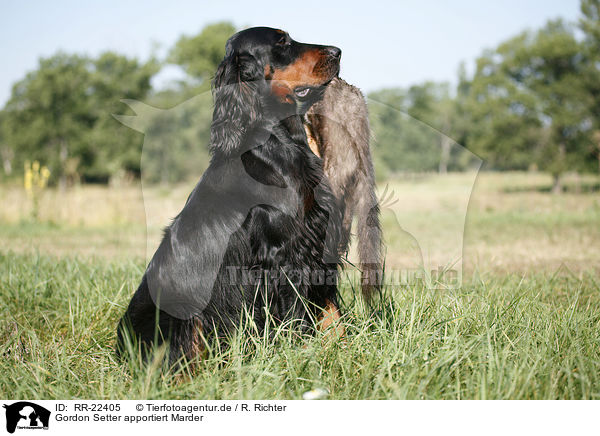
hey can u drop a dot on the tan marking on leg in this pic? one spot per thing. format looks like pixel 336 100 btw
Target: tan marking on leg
pixel 198 348
pixel 197 351
pixel 330 319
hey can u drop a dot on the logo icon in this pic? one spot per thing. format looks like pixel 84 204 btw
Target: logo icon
pixel 26 415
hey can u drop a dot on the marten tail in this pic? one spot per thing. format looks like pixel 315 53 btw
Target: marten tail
pixel 370 237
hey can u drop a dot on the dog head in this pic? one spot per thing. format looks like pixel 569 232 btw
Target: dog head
pixel 266 72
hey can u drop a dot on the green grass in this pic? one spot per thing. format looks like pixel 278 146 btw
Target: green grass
pixel 532 336
pixel 525 323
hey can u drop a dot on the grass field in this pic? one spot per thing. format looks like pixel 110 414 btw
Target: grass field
pixel 525 324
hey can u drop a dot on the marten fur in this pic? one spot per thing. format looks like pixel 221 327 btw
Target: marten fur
pixel 338 131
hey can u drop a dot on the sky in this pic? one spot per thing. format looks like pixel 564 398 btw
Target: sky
pixel 384 44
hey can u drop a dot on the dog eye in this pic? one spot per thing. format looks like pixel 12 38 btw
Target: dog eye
pixel 283 41
pixel 302 92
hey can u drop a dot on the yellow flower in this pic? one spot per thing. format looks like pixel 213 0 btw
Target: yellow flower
pixel 28 181
pixel 44 176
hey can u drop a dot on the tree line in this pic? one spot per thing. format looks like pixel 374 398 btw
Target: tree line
pixel 532 103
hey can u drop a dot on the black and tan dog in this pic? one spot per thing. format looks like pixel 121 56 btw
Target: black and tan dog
pixel 259 235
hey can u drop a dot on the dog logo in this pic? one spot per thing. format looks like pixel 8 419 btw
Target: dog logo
pixel 26 415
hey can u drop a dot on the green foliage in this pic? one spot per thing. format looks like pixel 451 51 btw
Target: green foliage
pixel 504 127
pixel 115 147
pixel 590 23
pixel 177 136
pixel 401 143
pixel 176 139
pixel 433 104
pixel 60 114
pixel 7 152
pixel 529 104
pixel 48 113
pixel 200 55
pixel 534 102
pixel 414 129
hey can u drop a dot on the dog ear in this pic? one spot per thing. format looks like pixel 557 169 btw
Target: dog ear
pixel 237 102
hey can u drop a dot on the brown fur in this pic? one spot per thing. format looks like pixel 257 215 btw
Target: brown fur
pixel 330 318
pixel 312 68
pixel 338 126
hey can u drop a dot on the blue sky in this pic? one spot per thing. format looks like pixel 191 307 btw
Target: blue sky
pixel 384 44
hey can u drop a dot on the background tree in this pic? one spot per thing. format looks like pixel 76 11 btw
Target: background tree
pixel 590 25
pixel 434 104
pixel 504 128
pixel 200 55
pixel 114 148
pixel 60 114
pixel 401 143
pixel 7 153
pixel 530 104
pixel 415 129
pixel 183 121
pixel 431 103
pixel 176 139
pixel 49 112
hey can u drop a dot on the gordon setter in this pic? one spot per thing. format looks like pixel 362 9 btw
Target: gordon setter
pixel 259 233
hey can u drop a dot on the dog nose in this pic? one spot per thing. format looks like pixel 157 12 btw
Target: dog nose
pixel 334 52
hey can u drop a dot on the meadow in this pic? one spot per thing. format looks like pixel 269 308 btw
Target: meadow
pixel 524 324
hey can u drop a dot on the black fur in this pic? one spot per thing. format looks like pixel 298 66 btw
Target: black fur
pixel 262 206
